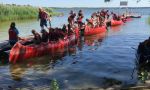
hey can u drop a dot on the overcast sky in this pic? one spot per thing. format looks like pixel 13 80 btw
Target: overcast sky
pixel 77 3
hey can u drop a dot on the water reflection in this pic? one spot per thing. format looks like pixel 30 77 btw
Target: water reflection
pixel 116 28
pixel 47 63
pixel 94 41
pixel 38 64
pixel 17 71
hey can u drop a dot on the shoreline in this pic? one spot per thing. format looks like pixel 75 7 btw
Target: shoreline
pixel 99 7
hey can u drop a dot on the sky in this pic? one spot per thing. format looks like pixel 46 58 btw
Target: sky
pixel 77 3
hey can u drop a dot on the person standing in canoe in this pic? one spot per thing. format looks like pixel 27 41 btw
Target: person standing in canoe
pixel 50 19
pixel 43 17
pixel 13 34
pixel 79 18
pixel 71 18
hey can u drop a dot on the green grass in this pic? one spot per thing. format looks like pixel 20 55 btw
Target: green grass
pixel 54 85
pixel 15 12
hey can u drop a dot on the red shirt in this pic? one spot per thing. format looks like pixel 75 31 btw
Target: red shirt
pixel 43 15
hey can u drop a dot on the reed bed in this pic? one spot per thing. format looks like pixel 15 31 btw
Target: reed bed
pixel 17 12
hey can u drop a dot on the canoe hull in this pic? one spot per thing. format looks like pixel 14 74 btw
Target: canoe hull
pixel 135 16
pixel 116 23
pixel 92 31
pixel 20 52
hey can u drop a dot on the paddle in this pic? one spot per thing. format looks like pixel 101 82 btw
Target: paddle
pixel 4 44
pixel 49 19
pixel 26 41
pixel 50 25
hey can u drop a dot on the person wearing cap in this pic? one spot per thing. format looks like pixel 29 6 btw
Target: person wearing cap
pixel 71 18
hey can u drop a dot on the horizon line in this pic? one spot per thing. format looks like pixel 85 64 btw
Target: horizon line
pixel 76 6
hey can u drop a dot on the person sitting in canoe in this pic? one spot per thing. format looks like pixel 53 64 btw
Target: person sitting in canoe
pixel 79 18
pixel 37 37
pixel 90 22
pixel 64 28
pixel 98 19
pixel 55 34
pixel 114 16
pixel 102 14
pixel 13 34
pixel 106 14
pixel 123 18
pixel 71 18
pixel 51 34
pixel 82 29
pixel 60 33
pixel 43 17
pixel 102 18
pixel 45 35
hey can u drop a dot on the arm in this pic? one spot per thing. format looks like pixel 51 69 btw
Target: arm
pixel 39 16
pixel 17 32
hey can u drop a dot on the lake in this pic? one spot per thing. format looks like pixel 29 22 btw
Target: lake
pixel 99 61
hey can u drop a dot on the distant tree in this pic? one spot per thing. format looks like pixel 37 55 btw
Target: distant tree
pixel 106 0
pixel 138 1
pixel 110 0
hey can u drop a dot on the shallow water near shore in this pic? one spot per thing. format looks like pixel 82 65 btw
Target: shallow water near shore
pixel 99 61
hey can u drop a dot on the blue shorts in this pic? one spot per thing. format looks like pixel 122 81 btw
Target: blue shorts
pixel 43 22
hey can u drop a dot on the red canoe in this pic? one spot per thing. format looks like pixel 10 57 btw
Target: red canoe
pixel 116 23
pixel 21 52
pixel 92 31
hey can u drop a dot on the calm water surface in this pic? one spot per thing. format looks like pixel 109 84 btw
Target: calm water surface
pixel 98 61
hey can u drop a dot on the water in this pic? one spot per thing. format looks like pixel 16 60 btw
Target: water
pixel 99 61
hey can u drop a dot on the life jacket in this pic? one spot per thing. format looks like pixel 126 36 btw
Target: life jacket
pixel 79 19
pixel 13 34
pixel 43 15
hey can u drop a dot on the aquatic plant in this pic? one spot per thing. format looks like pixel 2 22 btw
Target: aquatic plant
pixel 54 85
pixel 18 12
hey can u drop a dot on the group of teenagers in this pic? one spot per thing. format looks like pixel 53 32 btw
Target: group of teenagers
pixel 74 21
pixel 43 36
pixel 97 19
